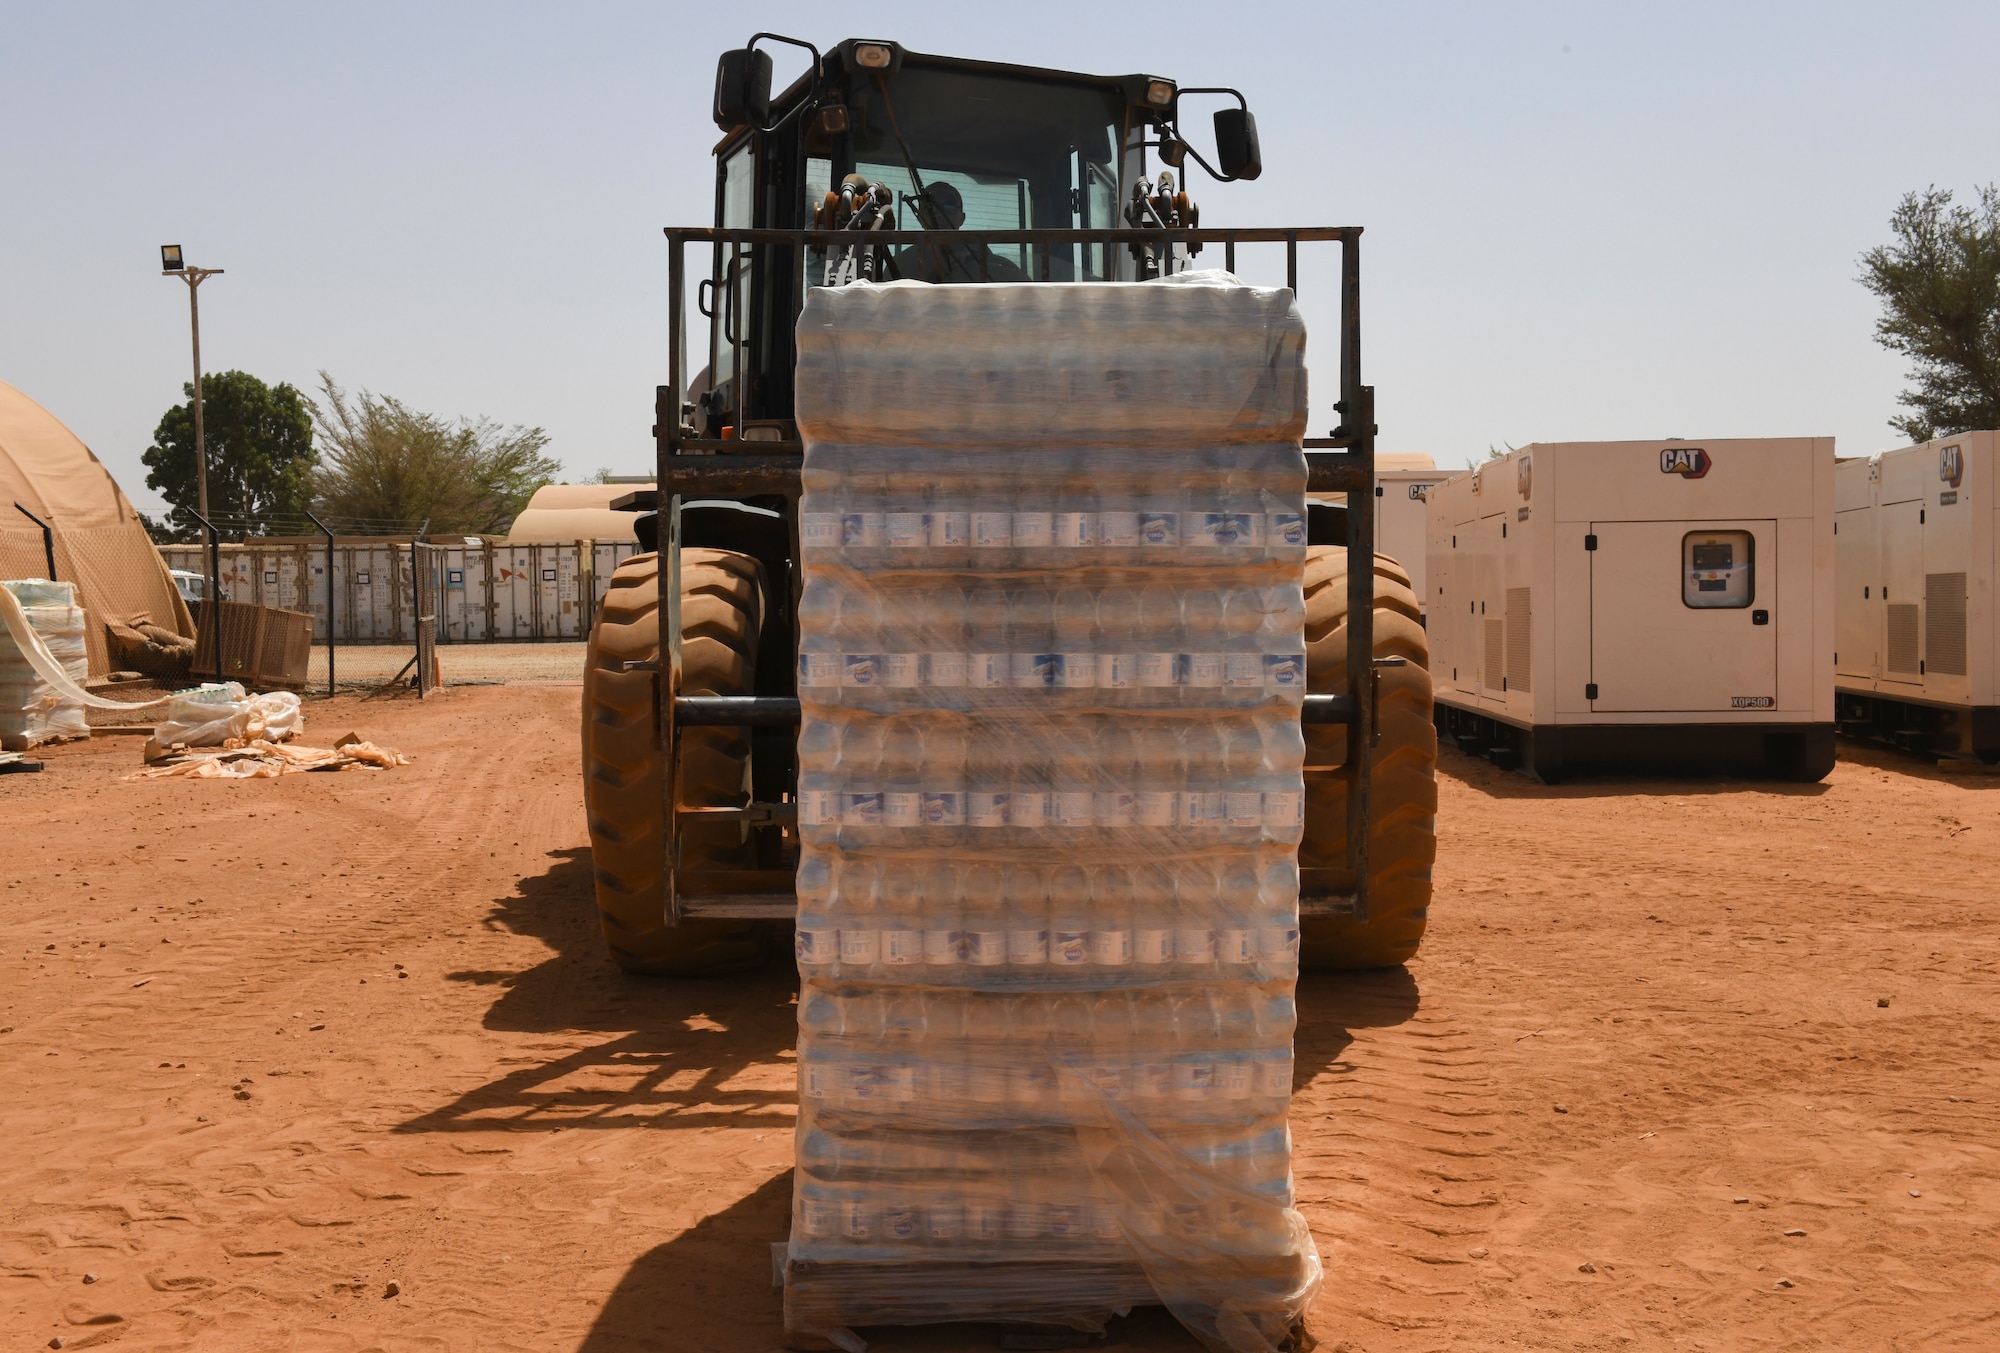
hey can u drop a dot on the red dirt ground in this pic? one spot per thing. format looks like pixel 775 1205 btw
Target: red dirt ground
pixel 270 1046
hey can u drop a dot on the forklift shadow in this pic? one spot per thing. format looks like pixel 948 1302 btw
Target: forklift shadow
pixel 709 1287
pixel 683 1052
pixel 1333 1004
pixel 1482 776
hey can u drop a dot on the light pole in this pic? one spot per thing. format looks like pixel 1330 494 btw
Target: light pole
pixel 172 265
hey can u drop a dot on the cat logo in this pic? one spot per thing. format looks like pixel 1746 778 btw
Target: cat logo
pixel 1951 465
pixel 1689 462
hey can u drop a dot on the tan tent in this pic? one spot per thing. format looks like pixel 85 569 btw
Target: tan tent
pixel 560 513
pixel 100 544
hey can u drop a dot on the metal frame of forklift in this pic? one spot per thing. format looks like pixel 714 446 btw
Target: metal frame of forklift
pixel 692 467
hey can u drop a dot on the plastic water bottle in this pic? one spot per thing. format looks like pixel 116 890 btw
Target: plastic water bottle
pixel 1027 918
pixel 1076 638
pixel 943 920
pixel 1111 917
pixel 1070 910
pixel 984 917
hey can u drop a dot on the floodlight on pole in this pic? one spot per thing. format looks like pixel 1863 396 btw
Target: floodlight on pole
pixel 173 265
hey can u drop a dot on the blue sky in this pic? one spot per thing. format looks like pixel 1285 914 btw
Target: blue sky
pixel 1583 221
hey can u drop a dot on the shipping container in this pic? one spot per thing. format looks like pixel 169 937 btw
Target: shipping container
pixel 1402 479
pixel 1916 553
pixel 1608 606
pixel 487 591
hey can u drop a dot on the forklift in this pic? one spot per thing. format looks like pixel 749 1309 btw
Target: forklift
pixel 879 164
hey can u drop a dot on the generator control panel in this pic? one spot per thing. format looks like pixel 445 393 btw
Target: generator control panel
pixel 1718 569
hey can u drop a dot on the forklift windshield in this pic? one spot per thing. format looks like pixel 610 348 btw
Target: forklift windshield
pixel 967 150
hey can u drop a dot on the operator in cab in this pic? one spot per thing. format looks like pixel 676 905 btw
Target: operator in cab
pixel 941 207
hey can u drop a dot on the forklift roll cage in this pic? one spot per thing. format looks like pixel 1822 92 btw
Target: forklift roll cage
pixel 729 476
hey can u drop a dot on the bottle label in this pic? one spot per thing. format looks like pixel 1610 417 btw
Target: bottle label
pixel 821 1079
pixel 816 945
pixel 1285 671
pixel 1034 530
pixel 1075 808
pixel 1193 944
pixel 1201 670
pixel 861 810
pixel 819 529
pixel 943 808
pixel 985 810
pixel 1154 669
pixel 1044 670
pixel 856 1219
pixel 864 530
pixel 819 670
pixel 944 669
pixel 860 669
pixel 1243 671
pixel 1287 530
pixel 1243 808
pixel 1224 530
pixel 899 669
pixel 1232 1078
pixel 902 808
pixel 1111 948
pixel 1119 530
pixel 1159 528
pixel 989 671
pixel 1236 945
pixel 1284 808
pixel 1194 1080
pixel 908 531
pixel 860 945
pixel 818 807
pixel 992 529
pixel 1117 671
pixel 1066 1221
pixel 1154 807
pixel 1069 948
pixel 818 1216
pixel 1201 807
pixel 943 948
pixel 1274 1078
pixel 1116 807
pixel 901 1221
pixel 901 947
pixel 1076 671
pixel 1276 943
pixel 985 948
pixel 1075 530
pixel 1153 946
pixel 1029 808
pixel 1028 948
pixel 951 529
pixel 944 1221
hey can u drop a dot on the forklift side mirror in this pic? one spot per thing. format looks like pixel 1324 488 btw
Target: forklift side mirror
pixel 1236 147
pixel 742 89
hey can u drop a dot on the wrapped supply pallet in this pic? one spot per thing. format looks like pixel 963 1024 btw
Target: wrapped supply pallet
pixel 31 710
pixel 1051 775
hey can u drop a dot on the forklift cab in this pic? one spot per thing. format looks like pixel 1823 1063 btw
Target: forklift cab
pixel 954 145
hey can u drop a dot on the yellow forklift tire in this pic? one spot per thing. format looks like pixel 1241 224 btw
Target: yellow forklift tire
pixel 624 801
pixel 1402 840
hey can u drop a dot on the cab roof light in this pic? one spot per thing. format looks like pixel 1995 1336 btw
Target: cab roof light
pixel 873 55
pixel 1160 93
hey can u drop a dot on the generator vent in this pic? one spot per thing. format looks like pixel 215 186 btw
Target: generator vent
pixel 1518 632
pixel 1496 654
pixel 1903 637
pixel 1944 623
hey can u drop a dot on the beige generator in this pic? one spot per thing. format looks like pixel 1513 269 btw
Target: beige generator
pixel 1638 605
pixel 1916 552
pixel 1402 479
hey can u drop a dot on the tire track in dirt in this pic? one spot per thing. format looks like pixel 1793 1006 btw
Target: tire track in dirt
pixel 1397 1130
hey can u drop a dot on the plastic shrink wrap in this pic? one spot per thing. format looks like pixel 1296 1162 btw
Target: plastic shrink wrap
pixel 1052 661
pixel 31 710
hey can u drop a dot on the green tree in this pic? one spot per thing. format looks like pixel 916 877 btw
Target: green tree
pixel 1939 282
pixel 386 468
pixel 260 457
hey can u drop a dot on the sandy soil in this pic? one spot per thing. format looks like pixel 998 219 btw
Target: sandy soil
pixel 269 1047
